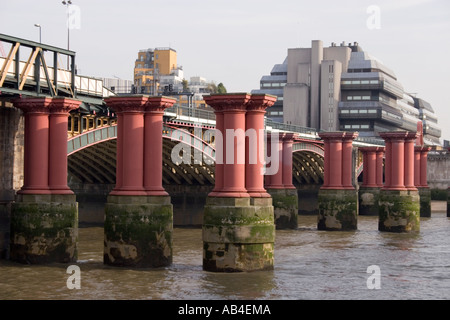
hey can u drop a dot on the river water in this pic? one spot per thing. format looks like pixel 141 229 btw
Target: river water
pixel 309 264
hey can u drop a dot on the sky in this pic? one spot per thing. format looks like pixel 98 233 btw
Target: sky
pixel 237 42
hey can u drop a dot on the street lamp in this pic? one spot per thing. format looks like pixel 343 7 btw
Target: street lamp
pixel 38 26
pixel 67 3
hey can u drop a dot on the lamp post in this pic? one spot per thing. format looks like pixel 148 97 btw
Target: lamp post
pixel 67 4
pixel 38 26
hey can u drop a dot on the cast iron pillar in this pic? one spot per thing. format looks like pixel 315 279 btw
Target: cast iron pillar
pixel 338 198
pixel 420 179
pixel 44 218
pixel 238 228
pixel 399 204
pixel 138 212
pixel 369 191
pixel 279 185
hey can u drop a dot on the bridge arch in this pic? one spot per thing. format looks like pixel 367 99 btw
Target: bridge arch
pixel 307 162
pixel 92 156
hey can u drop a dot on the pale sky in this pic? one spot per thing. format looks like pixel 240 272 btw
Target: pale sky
pixel 237 42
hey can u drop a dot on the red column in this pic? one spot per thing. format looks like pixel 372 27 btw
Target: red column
pixel 36 144
pixel 347 162
pixel 233 107
pixel 119 151
pixel 153 147
pixel 420 166
pixel 409 160
pixel 219 152
pixel 254 146
pixel 59 112
pixel 338 159
pixel 276 180
pixel 379 166
pixel 288 141
pixel 399 160
pixel 326 164
pixel 369 162
pixel 130 125
pixel 373 166
pixel 388 162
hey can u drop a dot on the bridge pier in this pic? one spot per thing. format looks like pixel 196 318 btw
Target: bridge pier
pixel 399 205
pixel 44 218
pixel 138 213
pixel 420 179
pixel 280 186
pixel 338 198
pixel 369 191
pixel 238 228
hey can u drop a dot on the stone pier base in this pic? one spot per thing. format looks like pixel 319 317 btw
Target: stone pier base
pixel 338 209
pixel 44 229
pixel 425 202
pixel 399 211
pixel 138 231
pixel 285 207
pixel 368 201
pixel 238 234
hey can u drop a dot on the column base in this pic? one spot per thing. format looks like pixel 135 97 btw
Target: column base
pixel 138 231
pixel 399 211
pixel 425 202
pixel 44 229
pixel 368 201
pixel 338 209
pixel 285 207
pixel 238 234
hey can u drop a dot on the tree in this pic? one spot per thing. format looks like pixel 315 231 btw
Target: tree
pixel 185 85
pixel 221 88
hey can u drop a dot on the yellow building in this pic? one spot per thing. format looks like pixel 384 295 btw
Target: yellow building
pixel 150 64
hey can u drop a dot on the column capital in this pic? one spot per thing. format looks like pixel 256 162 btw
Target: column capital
pixel 128 103
pixel 33 105
pixel 63 105
pixel 371 149
pixel 398 135
pixel 260 102
pixel 228 102
pixel 158 104
pixel 338 135
pixel 422 149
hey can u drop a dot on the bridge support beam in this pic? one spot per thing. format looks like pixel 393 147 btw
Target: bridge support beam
pixel 420 179
pixel 44 218
pixel 280 186
pixel 238 229
pixel 399 204
pixel 138 212
pixel 369 191
pixel 338 199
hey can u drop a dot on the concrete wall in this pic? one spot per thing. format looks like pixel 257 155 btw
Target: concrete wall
pixel 11 166
pixel 438 170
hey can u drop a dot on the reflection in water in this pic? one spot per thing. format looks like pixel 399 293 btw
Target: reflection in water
pixel 309 264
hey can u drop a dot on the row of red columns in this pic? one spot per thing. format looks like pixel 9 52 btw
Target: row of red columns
pixel 405 165
pixel 45 154
pixel 282 179
pixel 139 144
pixel 239 113
pixel 338 159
